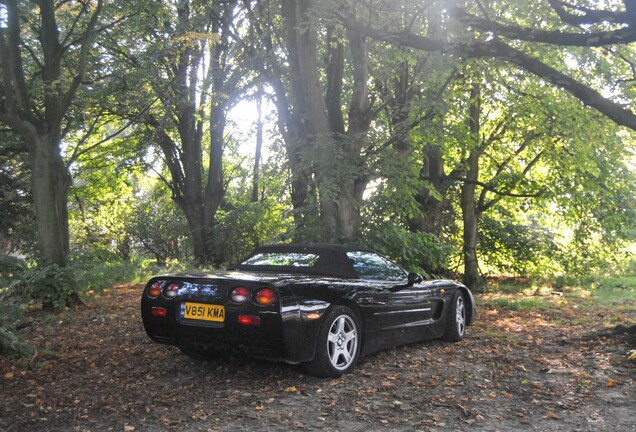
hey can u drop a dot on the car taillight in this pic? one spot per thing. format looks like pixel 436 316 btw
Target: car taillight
pixel 265 297
pixel 249 320
pixel 171 290
pixel 159 312
pixel 240 294
pixel 154 290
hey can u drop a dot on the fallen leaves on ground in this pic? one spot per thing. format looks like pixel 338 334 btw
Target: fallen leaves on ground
pixel 95 369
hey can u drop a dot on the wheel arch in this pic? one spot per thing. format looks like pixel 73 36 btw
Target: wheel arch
pixel 322 364
pixel 348 303
pixel 471 310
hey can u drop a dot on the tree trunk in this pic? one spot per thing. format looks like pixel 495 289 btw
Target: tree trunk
pixel 39 117
pixel 50 182
pixel 431 195
pixel 343 214
pixel 200 206
pixel 342 210
pixel 433 207
pixel 194 101
pixel 472 277
pixel 215 186
pixel 470 214
pixel 259 147
pixel 303 193
pixel 313 132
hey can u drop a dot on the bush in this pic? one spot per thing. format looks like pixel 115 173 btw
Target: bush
pixel 97 272
pixel 55 286
pixel 241 229
pixel 11 285
pixel 12 342
pixel 419 252
pixel 508 246
pixel 97 269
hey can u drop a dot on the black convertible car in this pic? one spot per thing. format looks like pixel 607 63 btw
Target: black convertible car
pixel 320 305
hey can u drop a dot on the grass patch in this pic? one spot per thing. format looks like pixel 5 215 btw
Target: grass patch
pixel 519 303
pixel 620 291
pixel 624 301
pixel 522 294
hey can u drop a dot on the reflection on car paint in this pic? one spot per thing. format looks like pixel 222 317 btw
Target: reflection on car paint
pixel 403 311
pixel 191 288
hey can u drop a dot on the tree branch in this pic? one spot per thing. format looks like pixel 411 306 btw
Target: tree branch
pixel 621 36
pixel 590 16
pixel 489 187
pixel 484 207
pixel 498 49
pixel 16 95
pixel 84 50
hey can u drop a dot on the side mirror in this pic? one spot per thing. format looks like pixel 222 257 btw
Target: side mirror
pixel 414 278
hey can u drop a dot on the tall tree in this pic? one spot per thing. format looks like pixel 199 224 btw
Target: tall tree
pixel 324 144
pixel 268 42
pixel 508 34
pixel 189 59
pixel 45 53
pixel 470 212
pixel 259 146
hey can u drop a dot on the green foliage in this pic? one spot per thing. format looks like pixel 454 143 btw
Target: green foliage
pixel 56 287
pixel 11 284
pixel 614 291
pixel 92 271
pixel 580 217
pixel 418 252
pixel 11 342
pixel 589 292
pixel 516 248
pixel 241 229
pixel 16 224
pixel 157 228
pixel 95 270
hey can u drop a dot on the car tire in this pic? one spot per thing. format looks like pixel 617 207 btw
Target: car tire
pixel 456 318
pixel 338 345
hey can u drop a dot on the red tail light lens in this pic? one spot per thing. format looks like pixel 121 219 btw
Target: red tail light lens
pixel 240 294
pixel 251 320
pixel 159 312
pixel 171 290
pixel 265 297
pixel 154 290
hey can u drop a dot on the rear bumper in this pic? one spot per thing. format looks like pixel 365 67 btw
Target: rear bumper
pixel 283 335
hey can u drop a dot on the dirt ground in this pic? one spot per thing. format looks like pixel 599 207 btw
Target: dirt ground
pixel 96 370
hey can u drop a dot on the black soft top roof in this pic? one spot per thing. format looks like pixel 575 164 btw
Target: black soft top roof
pixel 316 248
pixel 332 259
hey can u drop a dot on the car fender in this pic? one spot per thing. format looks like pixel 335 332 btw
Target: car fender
pixel 301 323
pixel 472 309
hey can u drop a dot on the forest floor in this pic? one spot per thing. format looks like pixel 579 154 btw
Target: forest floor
pixel 535 369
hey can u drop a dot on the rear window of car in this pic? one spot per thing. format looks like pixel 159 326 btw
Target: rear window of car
pixel 282 259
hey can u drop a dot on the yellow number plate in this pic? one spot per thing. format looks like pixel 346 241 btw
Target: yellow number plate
pixel 202 311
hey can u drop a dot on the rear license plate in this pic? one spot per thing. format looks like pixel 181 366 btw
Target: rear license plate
pixel 202 311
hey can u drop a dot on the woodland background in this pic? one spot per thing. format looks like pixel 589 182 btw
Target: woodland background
pixel 466 138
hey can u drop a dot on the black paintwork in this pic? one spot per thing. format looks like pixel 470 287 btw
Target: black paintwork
pixel 391 312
